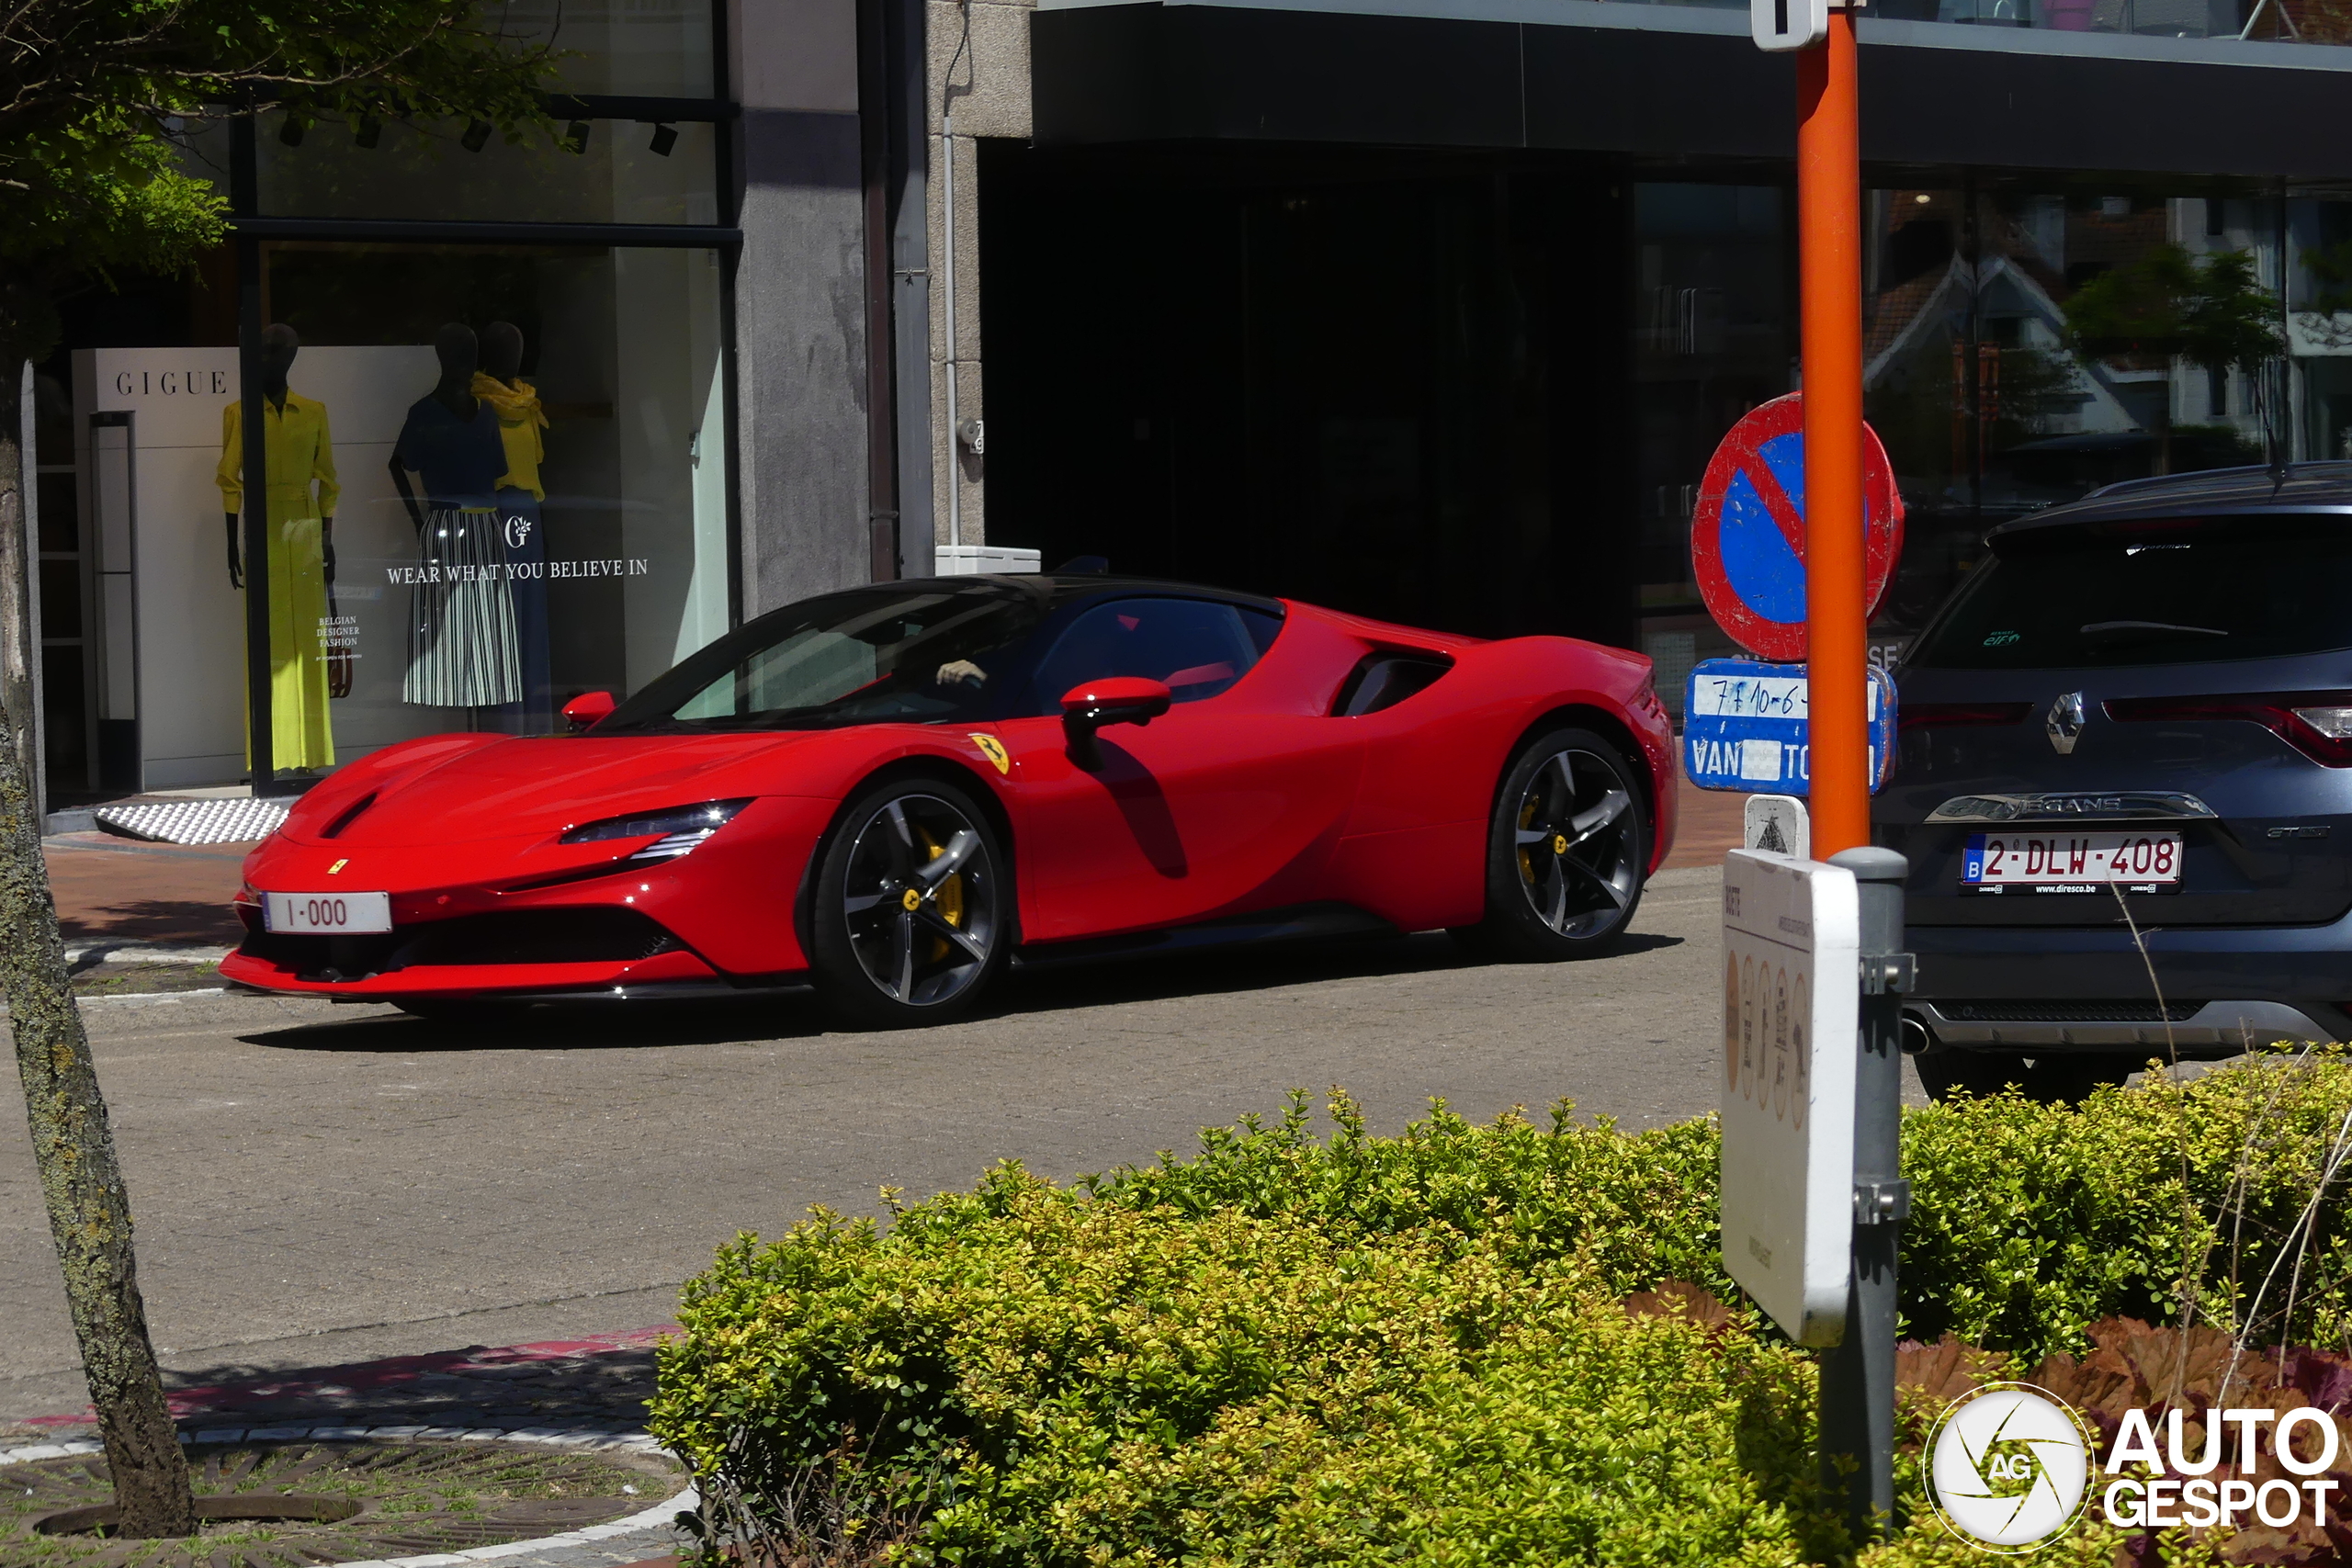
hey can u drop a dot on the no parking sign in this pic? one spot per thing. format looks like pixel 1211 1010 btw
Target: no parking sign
pixel 1747 534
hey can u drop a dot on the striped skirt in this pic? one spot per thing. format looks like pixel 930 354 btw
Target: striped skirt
pixel 461 648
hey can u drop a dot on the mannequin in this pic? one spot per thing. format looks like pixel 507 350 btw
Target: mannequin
pixel 300 450
pixel 461 613
pixel 500 383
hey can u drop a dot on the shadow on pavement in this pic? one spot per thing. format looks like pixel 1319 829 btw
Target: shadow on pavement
pixel 605 1379
pixel 1249 969
pixel 577 1026
pixel 598 1026
pixel 187 921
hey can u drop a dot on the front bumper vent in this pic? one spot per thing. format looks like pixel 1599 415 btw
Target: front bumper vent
pixel 509 936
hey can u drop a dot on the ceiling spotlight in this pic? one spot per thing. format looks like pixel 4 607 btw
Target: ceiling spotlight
pixel 368 131
pixel 665 137
pixel 1923 198
pixel 575 137
pixel 477 136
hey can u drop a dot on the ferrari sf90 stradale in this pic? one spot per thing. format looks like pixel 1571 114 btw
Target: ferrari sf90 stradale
pixel 891 793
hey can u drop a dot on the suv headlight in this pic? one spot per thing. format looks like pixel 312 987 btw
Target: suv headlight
pixel 674 832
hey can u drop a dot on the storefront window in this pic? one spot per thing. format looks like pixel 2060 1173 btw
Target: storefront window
pixel 635 47
pixel 1986 370
pixel 1998 390
pixel 609 171
pixel 1712 337
pixel 495 480
pixel 2319 324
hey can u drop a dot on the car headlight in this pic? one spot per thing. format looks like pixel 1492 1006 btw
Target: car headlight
pixel 674 832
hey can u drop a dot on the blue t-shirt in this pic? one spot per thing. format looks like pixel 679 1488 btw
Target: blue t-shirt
pixel 461 462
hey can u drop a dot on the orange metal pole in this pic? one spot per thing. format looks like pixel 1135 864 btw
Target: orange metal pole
pixel 1829 252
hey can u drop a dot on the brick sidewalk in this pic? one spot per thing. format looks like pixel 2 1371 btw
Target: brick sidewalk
pixel 114 889
pixel 1707 823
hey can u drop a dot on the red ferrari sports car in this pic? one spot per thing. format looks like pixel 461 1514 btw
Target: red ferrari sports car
pixel 892 792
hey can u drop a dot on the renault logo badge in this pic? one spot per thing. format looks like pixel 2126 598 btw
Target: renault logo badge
pixel 2063 723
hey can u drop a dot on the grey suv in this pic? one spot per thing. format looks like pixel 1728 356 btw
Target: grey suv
pixel 2136 712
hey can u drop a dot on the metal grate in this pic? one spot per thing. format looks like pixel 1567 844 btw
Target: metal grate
pixel 231 821
pixel 2068 1013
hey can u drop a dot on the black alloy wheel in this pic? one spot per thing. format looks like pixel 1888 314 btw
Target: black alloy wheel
pixel 1566 851
pixel 912 906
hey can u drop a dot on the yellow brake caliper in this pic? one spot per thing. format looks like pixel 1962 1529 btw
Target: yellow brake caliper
pixel 948 896
pixel 1526 858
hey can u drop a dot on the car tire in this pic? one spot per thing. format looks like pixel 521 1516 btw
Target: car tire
pixel 893 944
pixel 1567 847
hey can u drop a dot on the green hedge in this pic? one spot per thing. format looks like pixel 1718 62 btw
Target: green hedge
pixel 1292 1349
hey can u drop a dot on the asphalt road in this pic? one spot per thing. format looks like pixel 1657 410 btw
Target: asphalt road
pixel 315 1185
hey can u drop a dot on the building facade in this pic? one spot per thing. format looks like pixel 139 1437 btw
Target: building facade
pixel 1431 309
pixel 1437 308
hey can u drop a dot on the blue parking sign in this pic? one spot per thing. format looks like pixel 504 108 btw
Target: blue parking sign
pixel 1745 727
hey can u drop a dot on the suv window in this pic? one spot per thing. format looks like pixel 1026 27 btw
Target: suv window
pixel 1197 647
pixel 2168 590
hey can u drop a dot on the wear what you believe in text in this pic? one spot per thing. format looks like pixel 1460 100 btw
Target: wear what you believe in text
pixel 510 571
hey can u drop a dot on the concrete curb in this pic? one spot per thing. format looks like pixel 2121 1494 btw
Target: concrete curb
pixel 144 953
pixel 657 1517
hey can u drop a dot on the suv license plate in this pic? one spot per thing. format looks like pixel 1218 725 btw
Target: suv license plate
pixel 338 913
pixel 2071 862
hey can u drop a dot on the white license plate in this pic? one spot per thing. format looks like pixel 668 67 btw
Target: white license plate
pixel 2071 862
pixel 342 914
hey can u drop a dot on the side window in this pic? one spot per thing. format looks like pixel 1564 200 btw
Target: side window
pixel 1198 647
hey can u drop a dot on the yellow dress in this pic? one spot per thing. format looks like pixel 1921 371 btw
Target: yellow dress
pixel 299 450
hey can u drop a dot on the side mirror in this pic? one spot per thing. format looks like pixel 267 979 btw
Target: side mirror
pixel 1119 699
pixel 587 710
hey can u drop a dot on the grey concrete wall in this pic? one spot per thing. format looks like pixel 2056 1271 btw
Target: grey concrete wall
pixel 799 290
pixel 986 85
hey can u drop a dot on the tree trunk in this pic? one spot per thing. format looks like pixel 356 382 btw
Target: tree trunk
pixel 89 1213
pixel 19 578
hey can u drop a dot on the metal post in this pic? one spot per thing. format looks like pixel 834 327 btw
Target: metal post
pixel 259 655
pixel 1829 255
pixel 909 108
pixel 1858 1377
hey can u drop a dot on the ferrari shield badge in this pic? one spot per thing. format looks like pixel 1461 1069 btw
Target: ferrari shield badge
pixel 993 749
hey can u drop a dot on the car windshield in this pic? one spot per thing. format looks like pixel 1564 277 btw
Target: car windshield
pixel 871 655
pixel 2170 591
